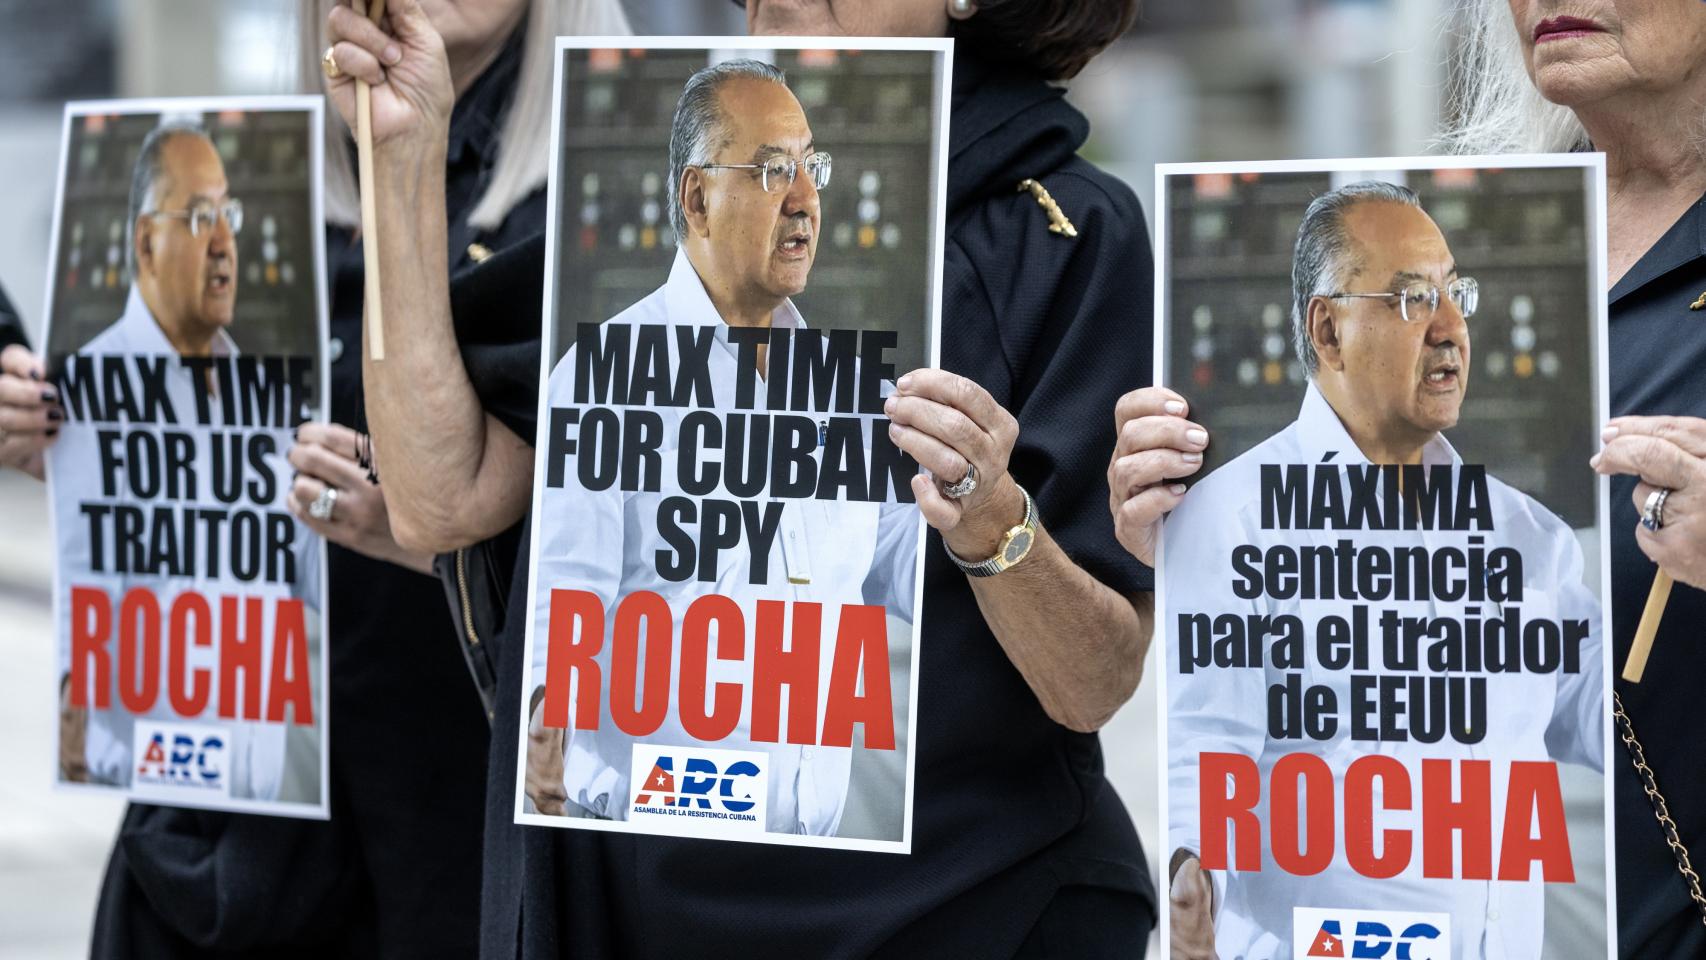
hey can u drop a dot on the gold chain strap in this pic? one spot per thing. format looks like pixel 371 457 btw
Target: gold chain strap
pixel 1626 733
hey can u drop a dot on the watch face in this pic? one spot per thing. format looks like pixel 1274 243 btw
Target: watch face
pixel 1016 547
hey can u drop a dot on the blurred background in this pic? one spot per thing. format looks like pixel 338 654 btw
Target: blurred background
pixel 1195 80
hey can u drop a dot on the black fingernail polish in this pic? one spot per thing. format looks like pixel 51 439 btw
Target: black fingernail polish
pixel 54 432
pixel 35 374
pixel 55 415
pixel 47 396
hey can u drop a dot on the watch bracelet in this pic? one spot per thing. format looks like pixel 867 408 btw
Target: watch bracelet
pixel 986 568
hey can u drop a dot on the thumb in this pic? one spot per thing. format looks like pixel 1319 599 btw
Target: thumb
pixel 408 20
pixel 1188 885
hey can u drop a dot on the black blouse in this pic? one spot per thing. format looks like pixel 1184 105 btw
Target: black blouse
pixel 1658 367
pixel 1013 818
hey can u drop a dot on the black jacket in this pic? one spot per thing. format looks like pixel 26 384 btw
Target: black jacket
pixel 1015 827
pixel 1658 349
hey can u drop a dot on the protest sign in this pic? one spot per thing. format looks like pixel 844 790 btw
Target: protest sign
pixel 726 553
pixel 185 338
pixel 1384 698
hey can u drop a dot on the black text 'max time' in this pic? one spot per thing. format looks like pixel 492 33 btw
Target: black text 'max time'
pixel 817 371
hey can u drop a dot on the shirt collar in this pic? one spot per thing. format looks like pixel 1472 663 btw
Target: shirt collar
pixel 687 302
pixel 1681 245
pixel 143 336
pixel 1320 432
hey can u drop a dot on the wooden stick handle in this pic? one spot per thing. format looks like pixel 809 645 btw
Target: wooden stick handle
pixel 1636 665
pixel 369 216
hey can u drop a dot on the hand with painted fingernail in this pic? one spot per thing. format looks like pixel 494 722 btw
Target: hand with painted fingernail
pixel 30 414
pixel 1155 448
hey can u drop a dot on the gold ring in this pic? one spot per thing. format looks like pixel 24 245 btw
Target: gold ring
pixel 329 67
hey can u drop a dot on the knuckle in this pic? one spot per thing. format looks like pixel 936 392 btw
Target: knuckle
pixel 965 391
pixel 1131 434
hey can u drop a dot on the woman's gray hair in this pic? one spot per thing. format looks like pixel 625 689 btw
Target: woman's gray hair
pixel 1324 260
pixel 698 123
pixel 524 143
pixel 1492 104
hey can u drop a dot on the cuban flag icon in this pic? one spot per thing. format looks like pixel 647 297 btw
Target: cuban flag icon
pixel 1327 942
pixel 660 780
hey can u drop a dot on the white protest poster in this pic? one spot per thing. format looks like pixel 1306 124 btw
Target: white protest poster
pixel 186 332
pixel 1385 694
pixel 744 253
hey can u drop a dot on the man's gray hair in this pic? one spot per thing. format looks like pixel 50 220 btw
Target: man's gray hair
pixel 697 131
pixel 145 178
pixel 1324 258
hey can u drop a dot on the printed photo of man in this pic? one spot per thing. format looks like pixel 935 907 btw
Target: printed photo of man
pixel 744 179
pixel 1382 325
pixel 181 249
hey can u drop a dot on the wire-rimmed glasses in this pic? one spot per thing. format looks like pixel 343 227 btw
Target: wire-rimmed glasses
pixel 1418 301
pixel 779 171
pixel 203 216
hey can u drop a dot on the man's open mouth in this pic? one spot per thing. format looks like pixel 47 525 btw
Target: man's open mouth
pixel 796 243
pixel 1445 373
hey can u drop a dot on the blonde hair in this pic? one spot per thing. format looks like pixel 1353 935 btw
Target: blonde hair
pixel 1494 105
pixel 524 143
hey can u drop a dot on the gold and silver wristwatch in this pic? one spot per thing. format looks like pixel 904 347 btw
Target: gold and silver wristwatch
pixel 1015 544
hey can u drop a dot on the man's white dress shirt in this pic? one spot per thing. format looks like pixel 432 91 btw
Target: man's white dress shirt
pixel 1553 716
pixel 826 551
pixel 256 752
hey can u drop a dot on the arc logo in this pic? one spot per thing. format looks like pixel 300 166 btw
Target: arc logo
pixel 697 790
pixel 177 758
pixel 1370 934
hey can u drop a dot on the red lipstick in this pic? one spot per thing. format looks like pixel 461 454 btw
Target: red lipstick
pixel 1559 28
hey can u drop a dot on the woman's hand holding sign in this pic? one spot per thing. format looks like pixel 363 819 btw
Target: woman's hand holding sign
pixel 955 429
pixel 1668 454
pixel 29 411
pixel 1155 446
pixel 329 472
pixel 1078 644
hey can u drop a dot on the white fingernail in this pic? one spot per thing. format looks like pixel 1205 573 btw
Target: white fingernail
pixel 1608 433
pixel 1173 407
pixel 1177 489
pixel 1191 457
pixel 1195 435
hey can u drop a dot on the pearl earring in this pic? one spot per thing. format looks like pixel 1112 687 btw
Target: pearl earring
pixel 962 8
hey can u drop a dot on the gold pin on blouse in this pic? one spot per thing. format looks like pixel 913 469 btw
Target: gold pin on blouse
pixel 1699 304
pixel 1057 222
pixel 479 252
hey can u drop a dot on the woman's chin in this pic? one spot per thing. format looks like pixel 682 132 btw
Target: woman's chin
pixel 1576 83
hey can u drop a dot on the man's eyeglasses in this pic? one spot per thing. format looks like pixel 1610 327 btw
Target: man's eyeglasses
pixel 777 173
pixel 1418 301
pixel 204 216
